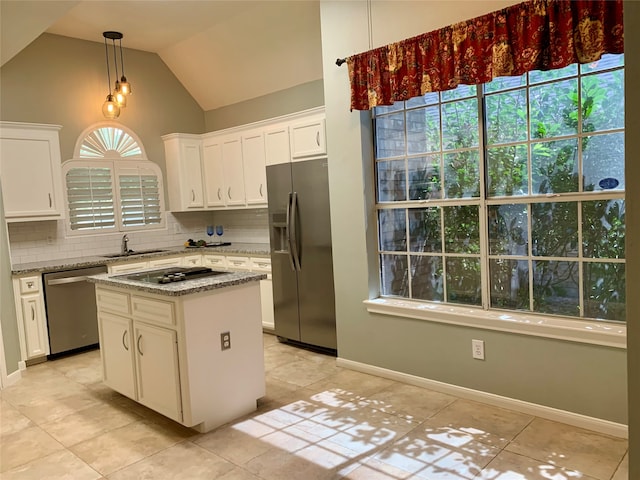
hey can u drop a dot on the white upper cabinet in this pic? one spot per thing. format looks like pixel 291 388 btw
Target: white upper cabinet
pixel 307 138
pixel 255 170
pixel 213 172
pixel 184 171
pixel 228 168
pixel 233 171
pixel 30 168
pixel 276 144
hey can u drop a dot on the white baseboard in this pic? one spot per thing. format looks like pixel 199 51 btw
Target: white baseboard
pixel 563 416
pixel 13 378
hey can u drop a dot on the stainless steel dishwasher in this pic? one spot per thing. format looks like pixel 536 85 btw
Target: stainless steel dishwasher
pixel 71 309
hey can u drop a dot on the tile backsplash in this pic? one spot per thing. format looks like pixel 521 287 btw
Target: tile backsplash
pixel 47 240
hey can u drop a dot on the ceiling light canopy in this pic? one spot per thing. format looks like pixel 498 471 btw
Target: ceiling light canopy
pixel 117 98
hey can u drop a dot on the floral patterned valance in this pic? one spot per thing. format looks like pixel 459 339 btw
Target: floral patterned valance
pixel 534 35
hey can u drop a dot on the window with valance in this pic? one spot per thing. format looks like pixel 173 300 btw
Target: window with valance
pixel 500 168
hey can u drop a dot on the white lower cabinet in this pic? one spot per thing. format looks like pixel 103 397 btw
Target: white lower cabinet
pixel 34 326
pixel 166 353
pixel 31 317
pixel 259 264
pixel 117 349
pixel 158 377
pixel 266 296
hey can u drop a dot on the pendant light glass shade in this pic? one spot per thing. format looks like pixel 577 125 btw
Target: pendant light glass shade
pixel 119 96
pixel 125 86
pixel 110 108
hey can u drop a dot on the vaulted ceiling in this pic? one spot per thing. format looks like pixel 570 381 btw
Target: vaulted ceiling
pixel 223 52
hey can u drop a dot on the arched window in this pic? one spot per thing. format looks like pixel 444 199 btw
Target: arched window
pixel 110 184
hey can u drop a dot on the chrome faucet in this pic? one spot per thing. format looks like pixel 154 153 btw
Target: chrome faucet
pixel 125 244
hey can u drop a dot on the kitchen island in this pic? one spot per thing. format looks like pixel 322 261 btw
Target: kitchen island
pixel 190 350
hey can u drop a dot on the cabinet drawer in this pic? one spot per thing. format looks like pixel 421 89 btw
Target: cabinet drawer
pixel 29 284
pixel 214 261
pixel 192 260
pixel 128 267
pixel 238 263
pixel 155 311
pixel 111 301
pixel 261 264
pixel 166 262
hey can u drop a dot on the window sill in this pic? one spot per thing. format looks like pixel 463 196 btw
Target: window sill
pixel 574 330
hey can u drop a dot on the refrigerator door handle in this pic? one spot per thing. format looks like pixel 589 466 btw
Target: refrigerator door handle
pixel 293 232
pixel 288 228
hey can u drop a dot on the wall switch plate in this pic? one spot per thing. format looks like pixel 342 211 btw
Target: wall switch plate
pixel 477 349
pixel 225 340
pixel 176 228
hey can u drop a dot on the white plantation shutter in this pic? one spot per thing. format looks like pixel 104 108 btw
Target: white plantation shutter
pixel 90 198
pixel 140 190
pixel 111 186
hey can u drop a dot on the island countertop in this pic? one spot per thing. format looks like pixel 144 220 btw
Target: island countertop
pixel 176 289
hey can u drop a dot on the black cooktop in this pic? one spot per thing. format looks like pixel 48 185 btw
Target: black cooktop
pixel 172 274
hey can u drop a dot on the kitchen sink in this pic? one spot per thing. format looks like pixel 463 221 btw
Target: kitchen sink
pixel 131 253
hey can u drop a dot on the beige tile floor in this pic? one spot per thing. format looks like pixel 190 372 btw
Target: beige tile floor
pixel 318 421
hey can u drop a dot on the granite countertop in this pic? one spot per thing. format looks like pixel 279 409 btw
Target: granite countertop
pixel 260 249
pixel 176 289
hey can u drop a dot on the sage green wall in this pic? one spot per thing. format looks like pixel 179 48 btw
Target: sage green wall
pixel 632 173
pixel 581 378
pixel 290 100
pixel 61 80
pixel 8 321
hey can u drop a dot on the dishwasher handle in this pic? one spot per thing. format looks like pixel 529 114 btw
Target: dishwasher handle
pixel 66 280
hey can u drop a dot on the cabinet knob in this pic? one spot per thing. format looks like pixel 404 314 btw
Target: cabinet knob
pixel 30 284
pixel 193 195
pixel 138 345
pixel 124 335
pixel 261 190
pixel 318 137
pixel 50 201
pixel 229 193
pixel 33 313
pixel 219 196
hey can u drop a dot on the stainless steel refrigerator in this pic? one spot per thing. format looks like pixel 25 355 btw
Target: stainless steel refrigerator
pixel 301 259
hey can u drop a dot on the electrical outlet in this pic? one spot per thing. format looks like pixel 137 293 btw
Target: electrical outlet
pixel 176 228
pixel 225 340
pixel 477 349
pixel 49 240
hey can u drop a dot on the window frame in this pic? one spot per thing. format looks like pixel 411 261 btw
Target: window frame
pixel 582 329
pixel 116 163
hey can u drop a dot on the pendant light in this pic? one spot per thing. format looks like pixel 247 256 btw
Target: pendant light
pixel 118 95
pixel 110 108
pixel 125 86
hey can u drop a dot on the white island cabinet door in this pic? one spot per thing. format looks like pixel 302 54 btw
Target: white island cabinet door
pixel 157 370
pixel 116 349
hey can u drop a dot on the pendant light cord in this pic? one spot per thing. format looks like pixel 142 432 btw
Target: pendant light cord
pixel 106 51
pixel 121 58
pixel 115 59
